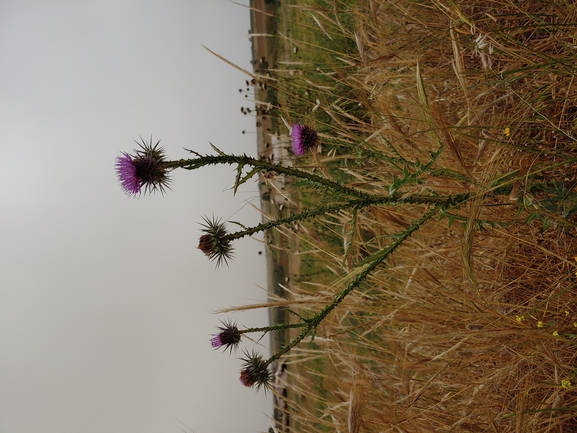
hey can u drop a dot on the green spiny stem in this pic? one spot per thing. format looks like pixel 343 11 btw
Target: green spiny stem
pixel 395 200
pixel 277 327
pixel 307 214
pixel 242 160
pixel 379 257
pixel 363 148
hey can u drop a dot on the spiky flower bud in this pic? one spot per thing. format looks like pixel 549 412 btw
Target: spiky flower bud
pixel 304 138
pixel 255 371
pixel 146 169
pixel 228 337
pixel 216 243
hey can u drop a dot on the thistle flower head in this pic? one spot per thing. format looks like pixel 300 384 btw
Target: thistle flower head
pixel 304 138
pixel 228 337
pixel 255 371
pixel 215 243
pixel 146 169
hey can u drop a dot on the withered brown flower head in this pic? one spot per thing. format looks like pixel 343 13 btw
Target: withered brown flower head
pixel 255 372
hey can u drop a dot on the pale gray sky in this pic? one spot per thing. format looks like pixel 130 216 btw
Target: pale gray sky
pixel 105 302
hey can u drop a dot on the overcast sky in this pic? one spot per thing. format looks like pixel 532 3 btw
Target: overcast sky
pixel 106 305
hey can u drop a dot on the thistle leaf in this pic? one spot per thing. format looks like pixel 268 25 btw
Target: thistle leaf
pixel 248 176
pixel 216 149
pixel 238 175
pixel 239 224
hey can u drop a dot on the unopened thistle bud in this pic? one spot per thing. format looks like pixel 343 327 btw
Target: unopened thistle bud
pixel 215 243
pixel 145 170
pixel 304 138
pixel 255 372
pixel 228 337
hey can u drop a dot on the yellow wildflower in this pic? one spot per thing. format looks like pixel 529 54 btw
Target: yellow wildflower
pixel 566 383
pixel 575 324
pixel 507 131
pixel 539 324
pixel 555 334
pixel 566 313
pixel 519 319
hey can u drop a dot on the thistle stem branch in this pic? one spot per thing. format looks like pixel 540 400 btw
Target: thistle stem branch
pixel 357 204
pixel 277 327
pixel 379 257
pixel 242 160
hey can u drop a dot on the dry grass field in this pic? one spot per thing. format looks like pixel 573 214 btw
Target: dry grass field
pixel 470 325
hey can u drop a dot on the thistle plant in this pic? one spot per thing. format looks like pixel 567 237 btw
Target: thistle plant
pixel 256 370
pixel 463 326
pixel 228 337
pixel 146 170
pixel 304 138
pixel 216 242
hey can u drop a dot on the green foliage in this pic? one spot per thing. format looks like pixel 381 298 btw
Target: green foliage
pixel 552 202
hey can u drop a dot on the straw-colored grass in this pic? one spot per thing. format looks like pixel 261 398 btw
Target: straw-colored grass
pixel 471 324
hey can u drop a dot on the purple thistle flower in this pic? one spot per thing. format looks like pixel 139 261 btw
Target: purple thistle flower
pixel 304 138
pixel 126 172
pixel 228 337
pixel 146 169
